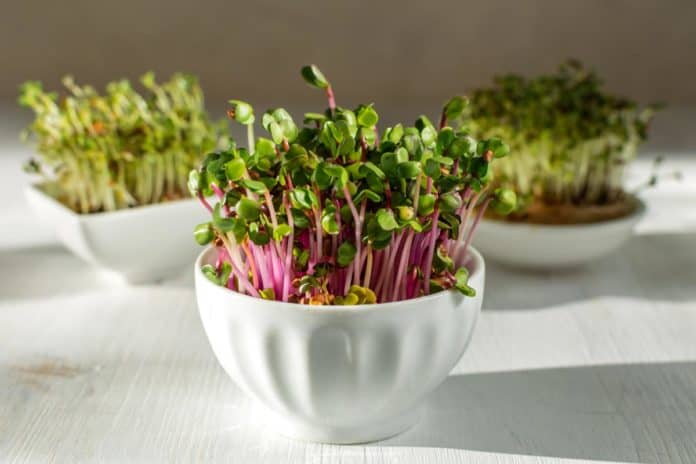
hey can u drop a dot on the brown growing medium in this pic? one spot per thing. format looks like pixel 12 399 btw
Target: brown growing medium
pixel 568 214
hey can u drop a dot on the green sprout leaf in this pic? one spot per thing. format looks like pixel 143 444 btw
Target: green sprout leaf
pixel 248 209
pixel 235 169
pixel 426 205
pixel 204 233
pixel 314 77
pixel 281 231
pixel 346 253
pixel 258 235
pixel 386 220
pixel 504 201
pixel 242 112
pixel 409 169
pixel 462 282
pixel 455 107
pixel 367 116
pixel 255 186
pixel 267 294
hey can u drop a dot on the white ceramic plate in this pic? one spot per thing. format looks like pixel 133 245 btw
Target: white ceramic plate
pixel 539 246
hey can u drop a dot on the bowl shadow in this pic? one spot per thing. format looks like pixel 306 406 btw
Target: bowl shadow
pixel 631 412
pixel 52 270
pixel 652 267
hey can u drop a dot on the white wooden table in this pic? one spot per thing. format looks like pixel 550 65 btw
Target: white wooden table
pixel 593 364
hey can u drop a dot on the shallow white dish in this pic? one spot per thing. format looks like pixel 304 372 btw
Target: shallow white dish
pixel 141 244
pixel 343 374
pixel 539 246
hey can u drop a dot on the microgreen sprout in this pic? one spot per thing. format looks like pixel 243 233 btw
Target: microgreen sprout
pixel 120 149
pixel 332 213
pixel 570 141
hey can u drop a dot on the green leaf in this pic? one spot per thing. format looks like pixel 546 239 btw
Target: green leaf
pixel 255 186
pixel 504 201
pixel 389 162
pixel 243 112
pixel 281 231
pixel 265 147
pixel 367 116
pixel 368 166
pixel 415 225
pixel 204 233
pixel 386 220
pixel 432 168
pixel 267 294
pixel 303 199
pixel 339 173
pixel 369 194
pixel 346 253
pixel 231 198
pixel 222 223
pixel 422 122
pixel 450 202
pixel 455 107
pixel 462 282
pixel 498 147
pixel 402 155
pixel 321 177
pixel 235 169
pixel 314 117
pixel 248 209
pixel 394 134
pixel 314 77
pixel 444 139
pixel 299 218
pixel 406 213
pixel 409 169
pixel 193 182
pixel 328 222
pixel 258 235
pixel 478 167
pixel 210 272
pixel 426 204
pixel 429 136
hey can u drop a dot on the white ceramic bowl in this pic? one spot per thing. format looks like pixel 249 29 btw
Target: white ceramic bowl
pixel 538 246
pixel 142 244
pixel 344 374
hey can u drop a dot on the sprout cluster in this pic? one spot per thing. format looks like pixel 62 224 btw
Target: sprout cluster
pixel 335 213
pixel 569 140
pixel 121 149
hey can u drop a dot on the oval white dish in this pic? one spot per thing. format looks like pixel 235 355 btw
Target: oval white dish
pixel 540 246
pixel 142 244
pixel 338 374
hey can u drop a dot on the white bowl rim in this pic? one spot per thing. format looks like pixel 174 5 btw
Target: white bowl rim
pixel 635 215
pixel 479 267
pixel 37 187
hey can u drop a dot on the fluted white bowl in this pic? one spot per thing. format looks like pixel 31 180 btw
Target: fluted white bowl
pixel 343 374
pixel 142 244
pixel 544 247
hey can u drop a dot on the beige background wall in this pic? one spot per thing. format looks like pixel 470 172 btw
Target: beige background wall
pixel 375 50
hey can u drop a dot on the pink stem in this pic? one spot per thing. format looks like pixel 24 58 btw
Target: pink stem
pixel 402 265
pixel 479 215
pixel 204 202
pixel 332 99
pixel 219 193
pixel 358 230
pixel 427 266
pixel 288 254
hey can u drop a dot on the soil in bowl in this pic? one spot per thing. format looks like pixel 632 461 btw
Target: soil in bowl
pixel 568 213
